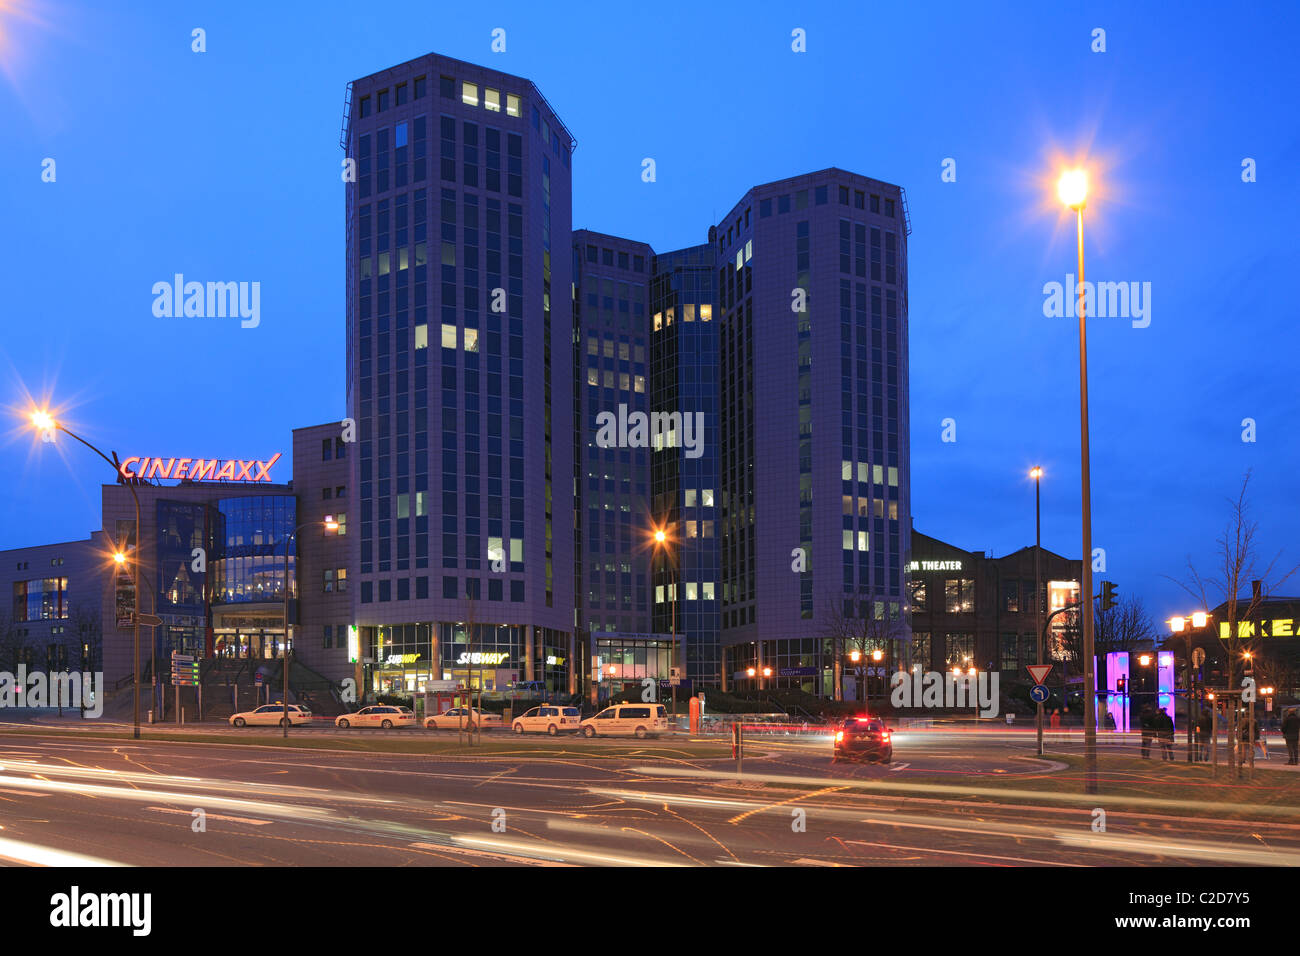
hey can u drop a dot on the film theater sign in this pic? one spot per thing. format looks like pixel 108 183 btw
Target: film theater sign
pixel 197 469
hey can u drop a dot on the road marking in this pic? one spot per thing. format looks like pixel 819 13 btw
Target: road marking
pixel 509 857
pixel 807 862
pixel 21 852
pixel 899 766
pixel 214 816
pixel 989 856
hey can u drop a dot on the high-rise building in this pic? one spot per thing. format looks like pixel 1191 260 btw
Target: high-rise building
pixel 814 458
pixel 684 479
pixel 459 376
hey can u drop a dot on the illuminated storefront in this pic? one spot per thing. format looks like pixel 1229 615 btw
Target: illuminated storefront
pixel 402 658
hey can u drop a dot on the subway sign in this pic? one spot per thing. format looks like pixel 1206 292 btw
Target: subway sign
pixel 197 469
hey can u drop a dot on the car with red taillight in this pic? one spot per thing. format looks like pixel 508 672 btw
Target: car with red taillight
pixel 863 738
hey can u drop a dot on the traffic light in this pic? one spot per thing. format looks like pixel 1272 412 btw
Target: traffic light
pixel 1107 595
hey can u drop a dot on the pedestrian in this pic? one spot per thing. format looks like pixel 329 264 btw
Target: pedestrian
pixel 1148 730
pixel 1291 734
pixel 1165 728
pixel 1204 727
pixel 1250 738
pixel 1055 720
pixel 1260 740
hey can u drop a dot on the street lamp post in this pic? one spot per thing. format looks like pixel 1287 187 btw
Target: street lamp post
pixel 1037 475
pixel 1179 625
pixel 1073 191
pixel 45 423
pixel 330 525
pixel 661 541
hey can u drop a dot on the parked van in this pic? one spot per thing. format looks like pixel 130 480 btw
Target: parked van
pixel 627 720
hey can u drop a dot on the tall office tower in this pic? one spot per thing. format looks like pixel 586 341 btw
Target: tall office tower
pixel 814 473
pixel 684 480
pixel 614 524
pixel 612 529
pixel 458 377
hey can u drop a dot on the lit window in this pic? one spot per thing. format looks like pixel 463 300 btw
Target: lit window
pixel 893 477
pixel 749 249
pixel 421 336
pixel 403 258
pixel 863 541
pixel 846 471
pixel 471 340
pixel 512 104
pixel 668 317
pixel 706 590
pixel 469 94
pixel 659 594
pixel 692 592
pixel 863 472
pixel 495 551
pixel 593 347
pixel 659 321
pixel 593 376
pixel 740 259
pixel 688 313
pixel 383 263
pixel 639 382
pixel 689 501
pixel 848 540
pixel 706 497
pixel 706 313
pixel 516 549
pixel 624 381
pixel 404 506
pixel 448 336
pixel 877 475
pixel 421 504
pixel 609 379
pixel 492 99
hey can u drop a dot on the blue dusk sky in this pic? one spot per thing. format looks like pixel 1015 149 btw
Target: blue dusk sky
pixel 224 165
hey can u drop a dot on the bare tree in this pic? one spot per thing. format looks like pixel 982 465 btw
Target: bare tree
pixel 12 644
pixel 88 632
pixel 1123 627
pixel 863 633
pixel 1239 567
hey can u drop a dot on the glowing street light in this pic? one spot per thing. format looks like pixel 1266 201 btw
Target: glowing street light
pixel 44 422
pixel 1072 188
pixel 1199 619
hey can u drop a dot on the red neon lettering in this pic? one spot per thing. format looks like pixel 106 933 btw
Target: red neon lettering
pixel 245 470
pixel 125 468
pixel 157 470
pixel 265 473
pixel 203 469
pixel 144 465
pixel 181 463
pixel 227 471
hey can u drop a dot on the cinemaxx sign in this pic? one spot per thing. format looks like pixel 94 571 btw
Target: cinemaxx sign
pixel 197 469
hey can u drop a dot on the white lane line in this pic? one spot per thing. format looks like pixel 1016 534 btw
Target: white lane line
pixel 899 766
pixel 213 816
pixel 986 856
pixel 508 857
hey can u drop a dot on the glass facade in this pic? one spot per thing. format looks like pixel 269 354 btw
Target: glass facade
pixel 248 558
pixel 43 599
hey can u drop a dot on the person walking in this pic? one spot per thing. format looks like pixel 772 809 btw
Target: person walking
pixel 1260 740
pixel 1147 730
pixel 1204 727
pixel 1165 728
pixel 1291 734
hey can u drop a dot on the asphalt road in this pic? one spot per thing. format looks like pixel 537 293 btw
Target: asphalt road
pixel 67 800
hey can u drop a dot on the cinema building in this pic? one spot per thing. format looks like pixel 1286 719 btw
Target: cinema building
pixel 219 542
pixel 972 609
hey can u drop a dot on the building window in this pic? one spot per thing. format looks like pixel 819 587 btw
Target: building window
pixel 1010 652
pixel 512 105
pixel 447 87
pixel 958 595
pixel 329 635
pixel 328 582
pixel 1011 596
pixel 469 93
pixel 325 449
pixel 421 84
pixel 916 587
pixel 492 100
